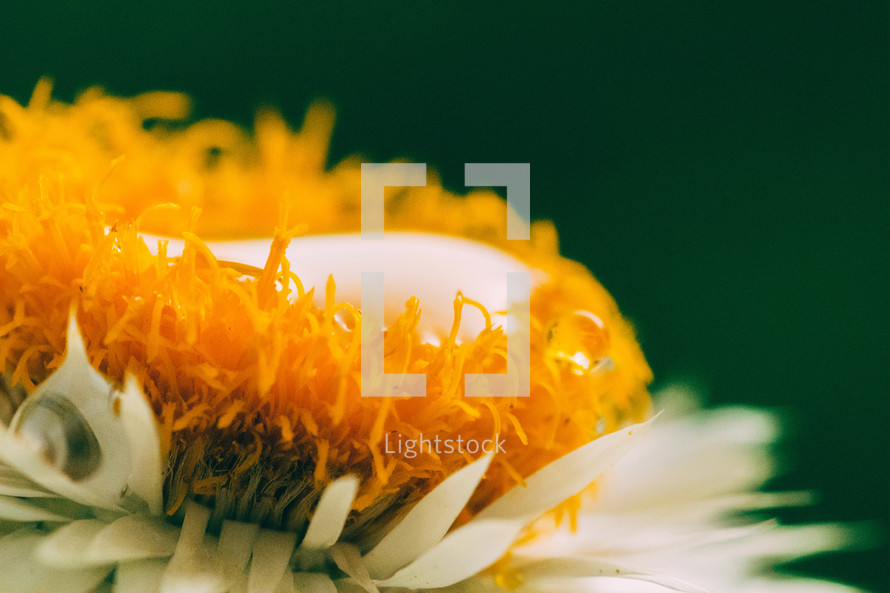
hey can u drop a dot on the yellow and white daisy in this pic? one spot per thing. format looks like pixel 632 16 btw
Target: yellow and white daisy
pixel 181 407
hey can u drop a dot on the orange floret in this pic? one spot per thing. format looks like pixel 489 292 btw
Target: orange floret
pixel 256 389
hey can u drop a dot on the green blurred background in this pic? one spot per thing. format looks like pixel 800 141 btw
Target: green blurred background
pixel 722 167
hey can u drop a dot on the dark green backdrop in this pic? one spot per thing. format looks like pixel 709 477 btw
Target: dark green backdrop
pixel 721 166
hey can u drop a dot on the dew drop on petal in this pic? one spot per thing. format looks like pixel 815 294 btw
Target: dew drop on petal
pixel 54 427
pixel 579 340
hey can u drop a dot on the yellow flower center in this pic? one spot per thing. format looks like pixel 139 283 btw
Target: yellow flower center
pixel 255 387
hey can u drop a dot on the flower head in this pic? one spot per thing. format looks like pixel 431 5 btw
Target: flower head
pixel 182 402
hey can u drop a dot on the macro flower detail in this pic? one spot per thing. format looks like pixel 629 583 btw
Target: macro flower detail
pixel 180 406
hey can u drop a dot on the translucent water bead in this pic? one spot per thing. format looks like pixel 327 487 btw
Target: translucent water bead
pixel 581 341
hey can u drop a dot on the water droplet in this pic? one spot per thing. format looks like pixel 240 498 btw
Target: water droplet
pixel 345 320
pixel 56 428
pixel 579 340
pixel 601 426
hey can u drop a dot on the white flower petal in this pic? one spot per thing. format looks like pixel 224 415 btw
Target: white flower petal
pixel 671 507
pixel 792 585
pixel 23 573
pixel 331 514
pixel 347 585
pixel 96 543
pixel 676 523
pixel 566 476
pixel 194 567
pixel 557 569
pixel 192 576
pixel 272 551
pixel 463 553
pixel 673 466
pixel 286 584
pixel 12 483
pixel 128 456
pixel 77 383
pixel 146 477
pixel 68 546
pixel 194 526
pixel 15 509
pixel 785 543
pixel 143 576
pixel 134 537
pixel 35 468
pixel 485 583
pixel 20 489
pixel 599 585
pixel 349 560
pixel 76 399
pixel 429 266
pixel 235 545
pixel 427 523
pixel 479 543
pixel 238 584
pixel 310 582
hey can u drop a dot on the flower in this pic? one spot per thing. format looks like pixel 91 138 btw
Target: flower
pixel 182 410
